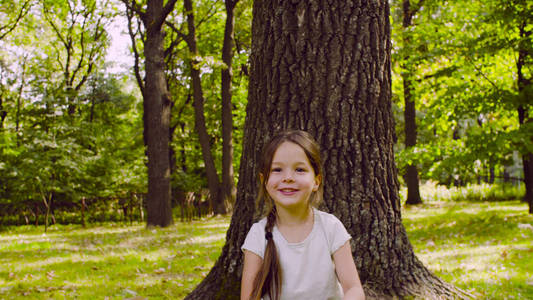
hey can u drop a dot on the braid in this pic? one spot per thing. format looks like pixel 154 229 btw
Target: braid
pixel 268 280
pixel 271 220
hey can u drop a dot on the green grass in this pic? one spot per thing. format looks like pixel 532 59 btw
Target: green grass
pixel 112 261
pixel 485 248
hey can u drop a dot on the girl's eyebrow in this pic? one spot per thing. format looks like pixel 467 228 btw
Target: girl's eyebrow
pixel 296 163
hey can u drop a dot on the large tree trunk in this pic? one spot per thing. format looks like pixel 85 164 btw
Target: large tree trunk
pixel 199 118
pixel 228 185
pixel 157 115
pixel 326 69
pixel 411 174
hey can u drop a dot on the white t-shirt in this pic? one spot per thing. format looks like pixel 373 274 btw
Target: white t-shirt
pixel 308 271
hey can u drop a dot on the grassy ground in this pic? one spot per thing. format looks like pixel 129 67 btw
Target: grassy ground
pixel 483 247
pixel 112 261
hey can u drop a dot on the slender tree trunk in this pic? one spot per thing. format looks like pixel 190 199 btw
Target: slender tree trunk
pixel 228 189
pixel 83 207
pixel 46 202
pixel 3 112
pixel 523 110
pixel 411 174
pixel 325 68
pixel 157 115
pixel 527 163
pixel 213 181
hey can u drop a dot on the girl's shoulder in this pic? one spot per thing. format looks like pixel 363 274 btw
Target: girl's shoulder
pixel 327 218
pixel 334 231
pixel 259 226
pixel 261 222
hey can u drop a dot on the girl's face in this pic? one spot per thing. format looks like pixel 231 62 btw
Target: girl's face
pixel 292 179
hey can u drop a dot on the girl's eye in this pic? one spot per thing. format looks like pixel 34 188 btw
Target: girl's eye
pixel 300 170
pixel 275 170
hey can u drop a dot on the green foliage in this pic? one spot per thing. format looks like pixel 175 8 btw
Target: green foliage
pixel 72 132
pixel 96 154
pixel 210 19
pixel 463 59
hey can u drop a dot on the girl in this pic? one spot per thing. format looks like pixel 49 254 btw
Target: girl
pixel 296 251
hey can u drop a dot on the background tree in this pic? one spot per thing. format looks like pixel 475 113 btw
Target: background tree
pixel 302 76
pixel 80 30
pixel 11 13
pixel 411 172
pixel 213 180
pixel 228 189
pixel 489 85
pixel 157 108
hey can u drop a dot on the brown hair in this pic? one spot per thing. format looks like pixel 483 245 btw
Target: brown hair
pixel 268 280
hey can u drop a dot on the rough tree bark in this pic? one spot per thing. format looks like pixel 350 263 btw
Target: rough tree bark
pixel 411 172
pixel 156 116
pixel 325 68
pixel 213 182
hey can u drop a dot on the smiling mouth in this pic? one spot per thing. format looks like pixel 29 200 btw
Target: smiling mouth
pixel 288 191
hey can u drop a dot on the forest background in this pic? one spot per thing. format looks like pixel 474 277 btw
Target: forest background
pixel 72 123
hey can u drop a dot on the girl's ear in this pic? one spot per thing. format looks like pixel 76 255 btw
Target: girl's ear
pixel 261 178
pixel 318 180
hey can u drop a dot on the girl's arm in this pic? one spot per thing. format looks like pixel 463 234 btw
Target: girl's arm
pixel 347 273
pixel 252 264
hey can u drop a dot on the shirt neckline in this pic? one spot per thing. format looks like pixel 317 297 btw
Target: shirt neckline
pixel 307 238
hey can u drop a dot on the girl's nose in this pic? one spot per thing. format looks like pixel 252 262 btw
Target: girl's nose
pixel 288 177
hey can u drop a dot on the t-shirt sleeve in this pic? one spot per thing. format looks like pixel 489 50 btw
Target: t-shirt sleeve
pixel 255 240
pixel 338 234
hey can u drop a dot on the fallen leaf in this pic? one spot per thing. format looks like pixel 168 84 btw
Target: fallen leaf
pixel 504 254
pixel 50 275
pixel 160 271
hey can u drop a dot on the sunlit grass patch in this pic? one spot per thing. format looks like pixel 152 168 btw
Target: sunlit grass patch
pixel 482 247
pixel 430 191
pixel 112 260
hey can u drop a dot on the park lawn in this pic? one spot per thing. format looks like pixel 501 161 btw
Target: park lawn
pixel 109 261
pixel 485 248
